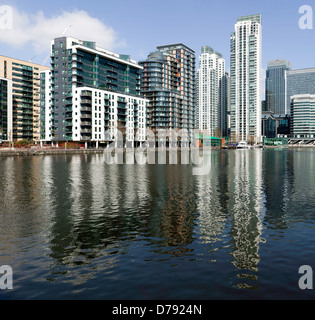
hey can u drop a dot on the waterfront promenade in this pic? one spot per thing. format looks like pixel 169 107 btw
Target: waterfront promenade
pixel 20 152
pixel 46 152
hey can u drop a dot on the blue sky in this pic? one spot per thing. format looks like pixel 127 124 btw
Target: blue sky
pixel 139 26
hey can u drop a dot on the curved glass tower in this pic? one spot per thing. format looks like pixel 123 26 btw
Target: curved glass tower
pixel 168 82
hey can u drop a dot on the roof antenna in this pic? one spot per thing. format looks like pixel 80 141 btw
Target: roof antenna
pixel 31 60
pixel 67 29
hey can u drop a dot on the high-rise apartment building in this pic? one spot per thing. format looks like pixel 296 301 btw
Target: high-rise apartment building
pixel 300 81
pixel 6 113
pixel 276 86
pixel 168 82
pixel 25 78
pixel 94 93
pixel 246 61
pixel 197 100
pixel 212 102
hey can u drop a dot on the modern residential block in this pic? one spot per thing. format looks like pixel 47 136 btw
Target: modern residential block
pixel 246 60
pixel 212 91
pixel 94 91
pixel 168 82
pixel 96 115
pixel 25 78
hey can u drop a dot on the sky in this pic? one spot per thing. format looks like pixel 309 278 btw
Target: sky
pixel 137 27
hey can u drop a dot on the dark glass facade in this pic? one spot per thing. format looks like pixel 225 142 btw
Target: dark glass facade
pixel 274 126
pixel 4 109
pixel 300 82
pixel 276 86
pixel 168 82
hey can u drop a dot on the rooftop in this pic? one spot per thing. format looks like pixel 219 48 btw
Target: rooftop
pixel 300 71
pixel 254 17
pixel 175 46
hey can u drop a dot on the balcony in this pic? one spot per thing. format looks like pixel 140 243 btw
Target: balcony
pixel 86 94
pixel 85 138
pixel 86 109
pixel 86 101
pixel 86 131
pixel 120 99
pixel 86 116
pixel 86 123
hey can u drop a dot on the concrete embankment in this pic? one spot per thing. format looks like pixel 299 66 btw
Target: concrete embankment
pixel 46 152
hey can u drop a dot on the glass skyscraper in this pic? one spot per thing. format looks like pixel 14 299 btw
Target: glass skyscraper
pixel 301 81
pixel 276 86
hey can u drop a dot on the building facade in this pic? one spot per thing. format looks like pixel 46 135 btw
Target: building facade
pixel 303 116
pixel 25 78
pixel 276 86
pixel 168 82
pixel 276 126
pixel 46 106
pixel 212 87
pixel 6 111
pixel 246 60
pixel 300 81
pixel 197 100
pixel 94 91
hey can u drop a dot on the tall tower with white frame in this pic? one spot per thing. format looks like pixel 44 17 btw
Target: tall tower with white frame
pixel 210 91
pixel 246 62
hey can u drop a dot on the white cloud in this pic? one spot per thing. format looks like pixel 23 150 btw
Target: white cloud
pixel 38 30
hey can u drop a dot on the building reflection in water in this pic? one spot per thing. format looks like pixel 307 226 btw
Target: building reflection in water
pixel 247 211
pixel 212 197
pixel 231 208
pixel 96 210
pixel 20 207
pixel 173 208
pixel 278 186
pixel 75 219
pixel 100 210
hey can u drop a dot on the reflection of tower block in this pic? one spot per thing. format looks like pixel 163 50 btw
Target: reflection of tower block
pixel 207 142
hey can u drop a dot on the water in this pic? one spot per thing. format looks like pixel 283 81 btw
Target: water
pixel 73 227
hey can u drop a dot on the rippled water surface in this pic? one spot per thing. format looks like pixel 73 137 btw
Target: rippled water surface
pixel 72 227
